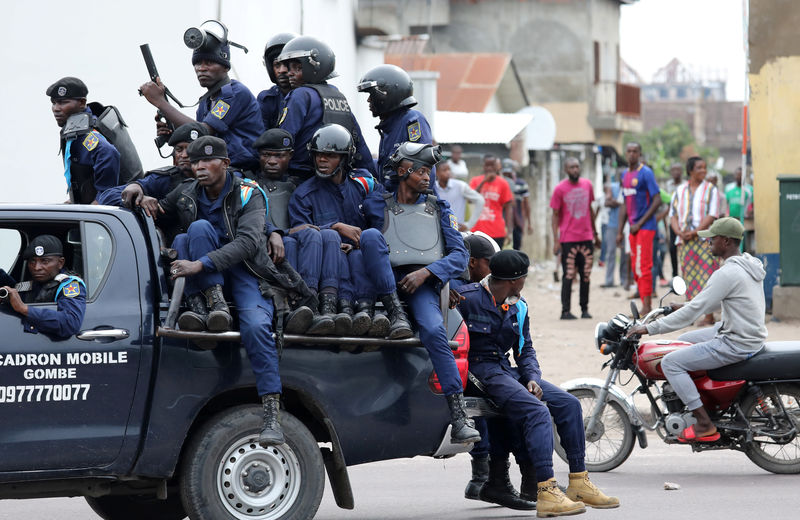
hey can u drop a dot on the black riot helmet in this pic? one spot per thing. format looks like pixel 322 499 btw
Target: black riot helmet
pixel 332 138
pixel 273 49
pixel 316 57
pixel 210 42
pixel 419 154
pixel 390 88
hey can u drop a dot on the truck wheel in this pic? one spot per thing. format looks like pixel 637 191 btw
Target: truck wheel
pixel 136 507
pixel 225 474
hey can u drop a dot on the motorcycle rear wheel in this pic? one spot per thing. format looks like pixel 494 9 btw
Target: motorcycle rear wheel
pixel 777 455
pixel 614 440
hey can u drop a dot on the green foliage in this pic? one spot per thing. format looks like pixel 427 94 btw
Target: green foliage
pixel 671 143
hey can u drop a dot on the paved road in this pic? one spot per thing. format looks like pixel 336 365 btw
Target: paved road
pixel 720 485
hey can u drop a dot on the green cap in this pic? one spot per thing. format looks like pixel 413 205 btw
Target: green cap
pixel 724 227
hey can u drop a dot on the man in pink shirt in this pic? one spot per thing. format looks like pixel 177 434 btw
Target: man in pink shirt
pixel 574 234
pixel 497 217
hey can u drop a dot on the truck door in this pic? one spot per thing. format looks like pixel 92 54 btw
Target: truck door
pixel 66 403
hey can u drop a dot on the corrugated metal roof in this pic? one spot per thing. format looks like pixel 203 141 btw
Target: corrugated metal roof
pixel 478 127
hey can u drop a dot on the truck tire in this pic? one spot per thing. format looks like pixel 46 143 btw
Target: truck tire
pixel 225 474
pixel 136 507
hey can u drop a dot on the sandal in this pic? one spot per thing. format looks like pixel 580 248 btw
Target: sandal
pixel 689 436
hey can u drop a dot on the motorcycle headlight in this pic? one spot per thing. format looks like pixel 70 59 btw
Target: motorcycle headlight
pixel 601 338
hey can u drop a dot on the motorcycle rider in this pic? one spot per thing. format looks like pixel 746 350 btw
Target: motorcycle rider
pixel 738 288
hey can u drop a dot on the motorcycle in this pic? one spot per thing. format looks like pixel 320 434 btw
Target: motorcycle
pixel 755 404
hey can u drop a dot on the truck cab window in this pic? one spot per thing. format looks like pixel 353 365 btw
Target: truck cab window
pixel 10 244
pixel 98 251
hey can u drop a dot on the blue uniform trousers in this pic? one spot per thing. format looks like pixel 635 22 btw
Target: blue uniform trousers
pixel 241 286
pixel 532 417
pixel 309 251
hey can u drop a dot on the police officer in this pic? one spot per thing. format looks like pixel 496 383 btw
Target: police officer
pixel 271 100
pixel 225 245
pixel 313 103
pixel 303 244
pixel 91 163
pixel 331 201
pixel 426 251
pixel 497 319
pixel 391 98
pixel 50 282
pixel 228 109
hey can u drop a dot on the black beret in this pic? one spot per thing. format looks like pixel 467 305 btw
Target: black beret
pixel 481 246
pixel 44 245
pixel 67 88
pixel 187 133
pixel 274 139
pixel 509 265
pixel 207 147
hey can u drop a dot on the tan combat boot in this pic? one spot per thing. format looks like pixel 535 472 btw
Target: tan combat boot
pixel 581 488
pixel 551 501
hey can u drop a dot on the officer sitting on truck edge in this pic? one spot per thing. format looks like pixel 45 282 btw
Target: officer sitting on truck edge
pixel 225 245
pixel 50 282
pixel 271 100
pixel 228 109
pixel 391 98
pixel 91 163
pixel 413 244
pixel 312 103
pixel 497 319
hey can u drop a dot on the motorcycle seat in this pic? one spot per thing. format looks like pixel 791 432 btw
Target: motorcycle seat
pixel 777 360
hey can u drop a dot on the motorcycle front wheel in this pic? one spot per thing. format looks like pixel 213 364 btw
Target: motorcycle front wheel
pixel 776 445
pixel 611 443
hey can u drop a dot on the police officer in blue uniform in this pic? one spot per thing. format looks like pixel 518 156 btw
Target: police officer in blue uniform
pixel 391 98
pixel 331 201
pixel 228 109
pixel 225 246
pixel 49 283
pixel 416 234
pixel 497 319
pixel 271 100
pixel 313 103
pixel 91 163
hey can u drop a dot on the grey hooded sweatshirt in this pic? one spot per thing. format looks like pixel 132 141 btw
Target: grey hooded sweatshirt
pixel 738 287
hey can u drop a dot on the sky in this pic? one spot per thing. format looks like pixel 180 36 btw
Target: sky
pixel 703 34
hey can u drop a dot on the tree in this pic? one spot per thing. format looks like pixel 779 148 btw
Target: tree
pixel 671 143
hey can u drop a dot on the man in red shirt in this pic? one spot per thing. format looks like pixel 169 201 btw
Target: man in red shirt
pixel 497 218
pixel 573 234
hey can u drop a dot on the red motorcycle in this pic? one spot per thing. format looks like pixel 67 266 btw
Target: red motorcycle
pixel 755 404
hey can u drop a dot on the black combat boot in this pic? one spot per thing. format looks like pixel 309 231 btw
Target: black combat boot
pixel 529 487
pixel 499 490
pixel 346 309
pixel 219 315
pixel 480 474
pixel 399 327
pixel 463 428
pixel 361 320
pixel 271 434
pixel 327 307
pixel 194 319
pixel 299 320
pixel 379 323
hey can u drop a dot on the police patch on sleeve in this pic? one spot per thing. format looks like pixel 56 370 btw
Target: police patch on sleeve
pixel 220 109
pixel 283 115
pixel 90 141
pixel 454 222
pixel 72 289
pixel 414 131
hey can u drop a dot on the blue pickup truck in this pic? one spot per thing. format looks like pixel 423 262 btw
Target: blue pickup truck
pixel 147 421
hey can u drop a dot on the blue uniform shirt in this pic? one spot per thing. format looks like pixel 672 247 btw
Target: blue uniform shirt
pixel 153 184
pixel 94 150
pixel 453 264
pixel 66 319
pixel 493 331
pixel 270 101
pixel 302 116
pixel 234 114
pixel 399 127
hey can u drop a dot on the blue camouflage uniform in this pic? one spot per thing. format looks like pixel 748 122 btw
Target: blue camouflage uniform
pixel 302 116
pixel 92 153
pixel 270 101
pixel 424 302
pixel 401 126
pixel 234 114
pixel 493 330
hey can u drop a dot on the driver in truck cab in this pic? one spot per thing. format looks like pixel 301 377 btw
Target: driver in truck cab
pixel 49 283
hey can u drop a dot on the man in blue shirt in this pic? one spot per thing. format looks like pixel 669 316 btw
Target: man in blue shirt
pixel 50 282
pixel 228 109
pixel 391 99
pixel 91 163
pixel 271 100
